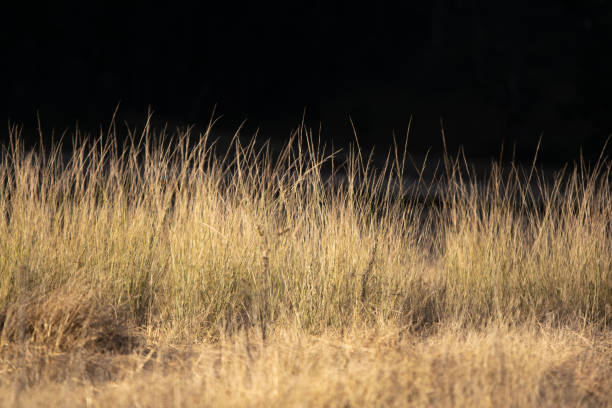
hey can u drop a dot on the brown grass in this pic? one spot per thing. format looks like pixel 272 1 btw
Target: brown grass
pixel 161 273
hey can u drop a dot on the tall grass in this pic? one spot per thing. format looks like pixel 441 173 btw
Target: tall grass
pixel 164 238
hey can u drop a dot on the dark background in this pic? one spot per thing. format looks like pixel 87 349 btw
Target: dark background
pixel 495 72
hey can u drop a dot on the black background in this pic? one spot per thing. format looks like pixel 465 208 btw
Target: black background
pixel 494 72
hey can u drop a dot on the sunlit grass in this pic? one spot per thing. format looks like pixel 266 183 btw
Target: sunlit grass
pixel 307 260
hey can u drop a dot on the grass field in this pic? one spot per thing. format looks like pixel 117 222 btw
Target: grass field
pixel 163 272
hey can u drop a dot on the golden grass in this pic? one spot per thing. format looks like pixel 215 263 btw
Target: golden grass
pixel 161 273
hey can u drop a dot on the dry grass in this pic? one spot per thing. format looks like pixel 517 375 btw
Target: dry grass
pixel 160 273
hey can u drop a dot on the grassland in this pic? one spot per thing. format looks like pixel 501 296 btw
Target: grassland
pixel 164 272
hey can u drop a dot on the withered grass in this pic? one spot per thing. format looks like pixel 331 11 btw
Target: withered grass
pixel 163 272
